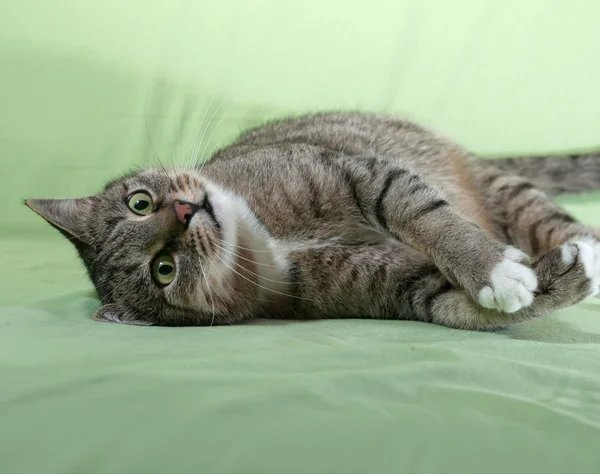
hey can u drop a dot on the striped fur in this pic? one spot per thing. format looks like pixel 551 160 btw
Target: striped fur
pixel 341 215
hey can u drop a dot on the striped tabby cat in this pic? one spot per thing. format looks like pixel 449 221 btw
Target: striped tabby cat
pixel 337 216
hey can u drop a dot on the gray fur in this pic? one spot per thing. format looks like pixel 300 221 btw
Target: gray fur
pixel 341 215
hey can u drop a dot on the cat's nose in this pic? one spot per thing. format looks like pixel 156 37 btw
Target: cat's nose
pixel 184 210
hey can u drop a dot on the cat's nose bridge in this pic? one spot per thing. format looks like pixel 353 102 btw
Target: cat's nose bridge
pixel 184 210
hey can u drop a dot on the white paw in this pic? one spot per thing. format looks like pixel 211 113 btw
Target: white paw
pixel 589 255
pixel 511 284
pixel 569 253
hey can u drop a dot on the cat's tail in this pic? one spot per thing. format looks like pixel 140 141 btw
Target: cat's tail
pixel 555 175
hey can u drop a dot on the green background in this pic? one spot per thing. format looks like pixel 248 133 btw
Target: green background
pixel 89 89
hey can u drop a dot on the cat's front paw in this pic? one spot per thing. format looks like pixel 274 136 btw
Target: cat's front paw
pixel 511 284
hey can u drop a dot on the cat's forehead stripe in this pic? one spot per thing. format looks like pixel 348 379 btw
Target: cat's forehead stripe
pixel 173 180
pixel 147 182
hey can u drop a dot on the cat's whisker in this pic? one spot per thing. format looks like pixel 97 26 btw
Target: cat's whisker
pixel 76 237
pixel 482 208
pixel 216 148
pixel 262 264
pixel 261 277
pixel 198 131
pixel 239 247
pixel 212 134
pixel 197 142
pixel 261 286
pixel 192 164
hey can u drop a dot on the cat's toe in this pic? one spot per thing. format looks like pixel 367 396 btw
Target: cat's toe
pixel 588 255
pixel 511 284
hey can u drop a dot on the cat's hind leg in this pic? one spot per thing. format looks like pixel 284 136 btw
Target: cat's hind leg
pixel 399 282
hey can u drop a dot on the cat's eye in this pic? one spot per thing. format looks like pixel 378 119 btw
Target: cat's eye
pixel 140 203
pixel 163 270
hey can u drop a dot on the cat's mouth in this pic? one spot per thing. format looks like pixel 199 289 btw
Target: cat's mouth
pixel 208 207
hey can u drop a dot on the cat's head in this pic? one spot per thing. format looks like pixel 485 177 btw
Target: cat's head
pixel 160 248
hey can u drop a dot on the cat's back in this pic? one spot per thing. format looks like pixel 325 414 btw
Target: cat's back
pixel 438 160
pixel 354 133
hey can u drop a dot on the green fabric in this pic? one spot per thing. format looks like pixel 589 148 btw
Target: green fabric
pixel 83 85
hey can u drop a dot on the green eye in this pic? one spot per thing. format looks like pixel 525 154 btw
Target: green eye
pixel 140 203
pixel 163 270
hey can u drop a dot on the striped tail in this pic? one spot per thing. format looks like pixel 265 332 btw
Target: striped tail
pixel 559 174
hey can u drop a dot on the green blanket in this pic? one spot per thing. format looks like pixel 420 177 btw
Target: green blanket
pixel 90 89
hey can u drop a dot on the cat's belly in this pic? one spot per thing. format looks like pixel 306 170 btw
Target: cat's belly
pixel 455 181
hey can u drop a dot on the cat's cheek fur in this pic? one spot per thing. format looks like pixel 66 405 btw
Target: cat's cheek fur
pixel 511 284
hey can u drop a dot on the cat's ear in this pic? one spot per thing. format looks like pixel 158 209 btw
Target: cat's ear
pixel 70 216
pixel 110 313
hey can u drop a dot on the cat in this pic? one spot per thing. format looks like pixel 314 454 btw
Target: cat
pixel 337 215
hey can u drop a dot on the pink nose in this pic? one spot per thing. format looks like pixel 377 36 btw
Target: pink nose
pixel 184 211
